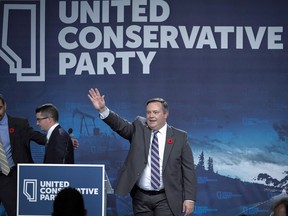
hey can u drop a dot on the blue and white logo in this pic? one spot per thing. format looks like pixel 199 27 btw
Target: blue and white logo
pixel 30 189
pixel 29 67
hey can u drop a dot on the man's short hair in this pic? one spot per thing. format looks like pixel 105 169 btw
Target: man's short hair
pixel 160 100
pixel 49 110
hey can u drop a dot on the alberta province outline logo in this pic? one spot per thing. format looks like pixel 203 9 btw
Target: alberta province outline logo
pixel 27 61
pixel 30 189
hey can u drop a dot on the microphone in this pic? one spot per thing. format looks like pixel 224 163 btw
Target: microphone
pixel 74 141
pixel 70 131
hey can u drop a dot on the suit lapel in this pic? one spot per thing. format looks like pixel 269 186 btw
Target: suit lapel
pixel 170 140
pixel 11 124
pixel 49 145
pixel 53 134
pixel 147 136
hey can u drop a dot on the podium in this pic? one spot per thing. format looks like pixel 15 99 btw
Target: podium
pixel 38 185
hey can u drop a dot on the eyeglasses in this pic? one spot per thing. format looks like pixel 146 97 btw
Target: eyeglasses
pixel 40 119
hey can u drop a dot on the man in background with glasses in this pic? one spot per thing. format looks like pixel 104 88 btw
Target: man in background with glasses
pixel 15 137
pixel 59 146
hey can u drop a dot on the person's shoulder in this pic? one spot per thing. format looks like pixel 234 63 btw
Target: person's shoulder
pixel 140 119
pixel 61 130
pixel 140 122
pixel 16 118
pixel 176 130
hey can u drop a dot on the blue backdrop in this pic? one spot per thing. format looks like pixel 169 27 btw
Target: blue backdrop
pixel 221 65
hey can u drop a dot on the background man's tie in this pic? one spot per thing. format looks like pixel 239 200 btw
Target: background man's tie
pixel 3 160
pixel 155 163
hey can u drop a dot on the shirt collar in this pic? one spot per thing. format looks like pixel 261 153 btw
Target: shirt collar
pixel 51 130
pixel 163 129
pixel 4 120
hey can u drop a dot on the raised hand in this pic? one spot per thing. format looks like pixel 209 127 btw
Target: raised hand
pixel 97 100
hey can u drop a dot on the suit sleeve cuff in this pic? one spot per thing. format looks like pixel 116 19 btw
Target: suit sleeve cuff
pixel 104 114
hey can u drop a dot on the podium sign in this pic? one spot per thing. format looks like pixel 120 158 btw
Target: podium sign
pixel 38 185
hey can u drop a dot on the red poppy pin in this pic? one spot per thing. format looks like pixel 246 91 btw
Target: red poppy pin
pixel 170 141
pixel 11 130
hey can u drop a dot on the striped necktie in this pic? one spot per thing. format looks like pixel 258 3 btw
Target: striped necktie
pixel 155 162
pixel 3 160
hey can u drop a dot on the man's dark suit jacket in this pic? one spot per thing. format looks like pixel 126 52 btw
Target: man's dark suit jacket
pixel 21 133
pixel 59 148
pixel 178 164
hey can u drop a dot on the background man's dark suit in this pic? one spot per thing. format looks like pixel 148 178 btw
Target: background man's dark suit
pixel 177 188
pixel 55 151
pixel 20 134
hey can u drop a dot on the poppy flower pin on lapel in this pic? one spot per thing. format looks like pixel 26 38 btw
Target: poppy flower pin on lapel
pixel 170 141
pixel 11 130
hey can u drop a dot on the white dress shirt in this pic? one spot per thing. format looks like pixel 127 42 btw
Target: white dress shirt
pixel 145 180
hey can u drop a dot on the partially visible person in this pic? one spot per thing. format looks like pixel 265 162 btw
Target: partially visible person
pixel 15 135
pixel 59 146
pixel 69 202
pixel 281 208
pixel 161 183
pixel 2 210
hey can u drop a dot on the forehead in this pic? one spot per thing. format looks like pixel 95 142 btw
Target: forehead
pixel 154 105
